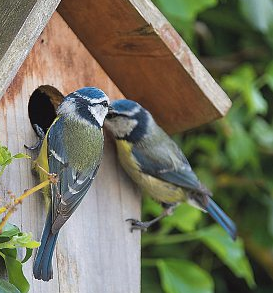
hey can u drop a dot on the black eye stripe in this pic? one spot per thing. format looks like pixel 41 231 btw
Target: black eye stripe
pixel 103 103
pixel 113 115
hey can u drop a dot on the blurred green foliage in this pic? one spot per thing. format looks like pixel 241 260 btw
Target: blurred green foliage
pixel 12 239
pixel 187 252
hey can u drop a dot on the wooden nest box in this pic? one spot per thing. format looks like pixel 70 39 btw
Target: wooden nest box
pixel 128 49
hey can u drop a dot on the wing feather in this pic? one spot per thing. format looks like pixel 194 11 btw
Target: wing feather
pixel 166 161
pixel 72 185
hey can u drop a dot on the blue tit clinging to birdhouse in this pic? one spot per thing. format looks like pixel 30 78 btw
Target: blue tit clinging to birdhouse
pixel 157 165
pixel 72 149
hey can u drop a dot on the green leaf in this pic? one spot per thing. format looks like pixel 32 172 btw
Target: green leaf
pixel 241 81
pixel 10 252
pixel 183 9
pixel 183 276
pixel 6 287
pixel 230 252
pixel 5 155
pixel 28 255
pixel 240 148
pixel 15 274
pixel 150 280
pixel 9 230
pixel 20 240
pixel 258 13
pixel 5 158
pixel 269 75
pixel 150 206
pixel 182 14
pixel 21 156
pixel 263 132
pixel 185 218
pixel 255 101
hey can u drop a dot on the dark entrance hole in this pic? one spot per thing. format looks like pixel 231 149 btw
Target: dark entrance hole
pixel 42 106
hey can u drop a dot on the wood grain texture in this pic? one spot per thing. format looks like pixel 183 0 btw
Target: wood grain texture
pixel 95 252
pixel 21 23
pixel 147 60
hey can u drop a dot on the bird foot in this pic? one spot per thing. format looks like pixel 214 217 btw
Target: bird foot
pixel 138 225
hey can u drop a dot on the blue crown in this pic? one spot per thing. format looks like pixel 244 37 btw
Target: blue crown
pixel 90 92
pixel 124 105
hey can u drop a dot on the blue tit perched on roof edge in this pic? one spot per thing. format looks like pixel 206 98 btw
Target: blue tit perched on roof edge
pixel 157 165
pixel 72 149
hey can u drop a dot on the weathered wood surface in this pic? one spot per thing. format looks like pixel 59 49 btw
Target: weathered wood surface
pixel 21 22
pixel 147 60
pixel 95 253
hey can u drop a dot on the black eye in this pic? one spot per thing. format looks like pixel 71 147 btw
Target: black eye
pixel 105 104
pixel 111 115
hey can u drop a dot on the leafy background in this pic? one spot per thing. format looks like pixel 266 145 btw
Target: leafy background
pixel 188 253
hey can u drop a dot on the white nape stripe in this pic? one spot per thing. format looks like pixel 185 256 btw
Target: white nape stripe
pixel 57 157
pixel 67 107
pixel 95 100
pixel 134 111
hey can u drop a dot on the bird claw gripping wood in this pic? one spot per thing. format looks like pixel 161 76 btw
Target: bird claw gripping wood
pixel 138 225
pixel 143 226
pixel 41 135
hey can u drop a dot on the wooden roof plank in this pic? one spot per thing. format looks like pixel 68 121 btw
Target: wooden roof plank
pixel 21 23
pixel 148 60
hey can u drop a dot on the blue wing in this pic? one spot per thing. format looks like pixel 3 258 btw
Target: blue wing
pixel 168 163
pixel 73 184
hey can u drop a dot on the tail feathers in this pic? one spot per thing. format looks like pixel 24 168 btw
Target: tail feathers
pixel 221 218
pixel 42 268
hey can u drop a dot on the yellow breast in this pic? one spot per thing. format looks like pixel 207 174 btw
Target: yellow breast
pixel 42 161
pixel 158 189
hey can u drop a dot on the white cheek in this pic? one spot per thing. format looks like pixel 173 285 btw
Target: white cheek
pixel 99 112
pixel 121 126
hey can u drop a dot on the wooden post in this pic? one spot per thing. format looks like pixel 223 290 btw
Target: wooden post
pixel 96 251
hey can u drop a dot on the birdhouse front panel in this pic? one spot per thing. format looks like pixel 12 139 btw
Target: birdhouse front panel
pixel 95 250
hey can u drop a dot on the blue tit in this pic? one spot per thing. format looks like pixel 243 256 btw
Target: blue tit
pixel 157 165
pixel 72 149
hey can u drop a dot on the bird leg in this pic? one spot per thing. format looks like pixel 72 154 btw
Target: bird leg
pixel 138 225
pixel 41 135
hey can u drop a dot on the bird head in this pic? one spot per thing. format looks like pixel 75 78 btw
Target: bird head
pixel 88 104
pixel 128 120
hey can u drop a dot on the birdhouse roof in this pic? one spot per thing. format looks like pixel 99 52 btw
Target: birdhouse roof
pixel 134 43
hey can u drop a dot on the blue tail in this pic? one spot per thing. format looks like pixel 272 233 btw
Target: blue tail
pixel 42 268
pixel 221 218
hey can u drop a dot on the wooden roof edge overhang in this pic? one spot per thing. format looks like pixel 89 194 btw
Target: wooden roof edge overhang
pixel 21 23
pixel 148 60
pixel 135 45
